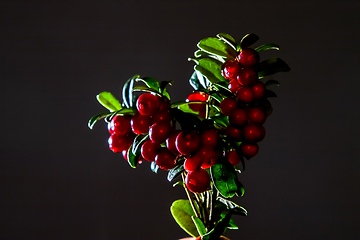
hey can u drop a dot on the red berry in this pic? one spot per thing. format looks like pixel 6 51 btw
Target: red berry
pixel 148 104
pixel 234 86
pixel 164 103
pixel 124 153
pixel 249 150
pixel 227 106
pixel 248 57
pixel 230 69
pixel 253 132
pixel 118 143
pixel 233 157
pixel 170 142
pixel 187 142
pixel 197 97
pixel 209 156
pixel 247 77
pixel 120 125
pixel 245 94
pixel 193 163
pixel 160 131
pixel 256 115
pixel 233 132
pixel 258 90
pixel 165 159
pixel 238 117
pixel 140 124
pixel 149 150
pixel 209 138
pixel 198 181
pixel 162 115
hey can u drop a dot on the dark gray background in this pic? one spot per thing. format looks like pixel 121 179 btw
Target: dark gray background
pixel 59 180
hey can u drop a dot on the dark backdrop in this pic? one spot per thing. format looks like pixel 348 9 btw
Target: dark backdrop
pixel 59 180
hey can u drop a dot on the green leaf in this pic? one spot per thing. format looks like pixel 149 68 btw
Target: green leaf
pixel 271 82
pixel 182 212
pixel 268 93
pixel 187 121
pixel 248 40
pixel 127 111
pixel 221 119
pixel 232 225
pixel 231 206
pixel 150 82
pixel 199 225
pixel 197 81
pixel 240 188
pixel 268 46
pixel 179 183
pixel 127 92
pixel 228 39
pixel 163 85
pixel 154 167
pixel 95 118
pixel 211 69
pixel 271 66
pixel 224 178
pixel 108 101
pixel 135 149
pixel 217 47
pixel 219 228
pixel 176 171
pixel 146 89
pixel 203 54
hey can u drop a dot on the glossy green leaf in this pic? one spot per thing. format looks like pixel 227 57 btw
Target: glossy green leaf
pixel 231 206
pixel 150 83
pixel 217 47
pixel 271 82
pixel 248 40
pixel 127 111
pixel 163 86
pixel 187 121
pixel 231 225
pixel 197 81
pixel 269 46
pixel 108 101
pixel 176 171
pixel 240 188
pixel 127 92
pixel 271 66
pixel 95 118
pixel 211 69
pixel 179 183
pixel 219 228
pixel 224 178
pixel 203 54
pixel 223 89
pixel 134 151
pixel 221 119
pixel 228 39
pixel 154 167
pixel 182 212
pixel 146 89
pixel 199 225
pixel 268 93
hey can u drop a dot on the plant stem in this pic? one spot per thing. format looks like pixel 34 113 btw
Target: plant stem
pixel 191 199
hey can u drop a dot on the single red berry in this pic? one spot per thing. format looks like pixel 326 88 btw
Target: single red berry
pixel 140 124
pixel 245 94
pixel 234 86
pixel 248 57
pixel 170 142
pixel 118 143
pixel 187 142
pixel 148 104
pixel 253 132
pixel 164 103
pixel 238 117
pixel 247 77
pixel 149 150
pixel 233 157
pixel 233 132
pixel 120 125
pixel 258 90
pixel 193 163
pixel 197 97
pixel 210 138
pixel 197 181
pixel 162 115
pixel 209 156
pixel 160 131
pixel 165 159
pixel 249 150
pixel 256 115
pixel 230 69
pixel 227 106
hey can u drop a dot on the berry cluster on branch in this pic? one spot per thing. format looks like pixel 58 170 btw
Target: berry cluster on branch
pixel 204 138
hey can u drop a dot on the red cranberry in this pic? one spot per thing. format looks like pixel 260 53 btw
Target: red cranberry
pixel 230 69
pixel 164 103
pixel 165 159
pixel 238 117
pixel 248 57
pixel 233 132
pixel 118 143
pixel 209 156
pixel 247 77
pixel 245 94
pixel 140 124
pixel 249 150
pixel 160 131
pixel 209 138
pixel 256 115
pixel 258 90
pixel 149 150
pixel 197 97
pixel 234 86
pixel 253 132
pixel 187 142
pixel 148 104
pixel 120 125
pixel 233 157
pixel 162 115
pixel 193 163
pixel 170 142
pixel 198 181
pixel 227 106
